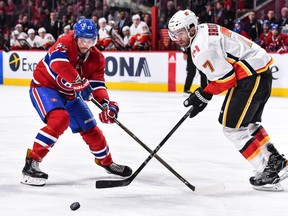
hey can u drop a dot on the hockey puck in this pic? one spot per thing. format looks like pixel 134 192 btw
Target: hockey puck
pixel 74 206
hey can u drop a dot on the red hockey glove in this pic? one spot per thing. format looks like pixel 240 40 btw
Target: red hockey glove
pixel 199 100
pixel 109 113
pixel 83 88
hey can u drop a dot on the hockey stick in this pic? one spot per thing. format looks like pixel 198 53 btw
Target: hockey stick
pixel 107 183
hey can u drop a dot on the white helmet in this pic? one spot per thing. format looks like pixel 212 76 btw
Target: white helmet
pixel 136 17
pixel 102 20
pixel 31 31
pixel 182 19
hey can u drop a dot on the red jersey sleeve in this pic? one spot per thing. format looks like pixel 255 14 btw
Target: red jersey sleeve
pixel 61 57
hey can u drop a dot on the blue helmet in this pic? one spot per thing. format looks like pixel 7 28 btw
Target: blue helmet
pixel 85 28
pixel 274 27
pixel 266 22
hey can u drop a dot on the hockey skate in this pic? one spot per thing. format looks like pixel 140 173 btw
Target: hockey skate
pixel 116 169
pixel 270 179
pixel 32 175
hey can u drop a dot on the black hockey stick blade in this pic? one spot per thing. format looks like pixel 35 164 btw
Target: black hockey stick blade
pixel 113 183
pixel 207 190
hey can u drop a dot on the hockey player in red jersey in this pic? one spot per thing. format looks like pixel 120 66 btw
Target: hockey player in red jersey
pixel 277 41
pixel 71 73
pixel 240 66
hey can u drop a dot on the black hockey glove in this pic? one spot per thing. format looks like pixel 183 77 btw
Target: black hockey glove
pixel 6 46
pixel 199 100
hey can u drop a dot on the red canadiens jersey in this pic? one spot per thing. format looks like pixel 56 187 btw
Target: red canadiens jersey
pixel 62 64
pixel 274 43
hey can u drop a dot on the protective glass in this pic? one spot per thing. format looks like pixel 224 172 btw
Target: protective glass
pixel 178 34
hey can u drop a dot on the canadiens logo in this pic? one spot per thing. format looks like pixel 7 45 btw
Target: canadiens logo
pixel 64 84
pixel 14 61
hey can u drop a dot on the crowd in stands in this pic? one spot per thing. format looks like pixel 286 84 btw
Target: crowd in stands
pixel 36 24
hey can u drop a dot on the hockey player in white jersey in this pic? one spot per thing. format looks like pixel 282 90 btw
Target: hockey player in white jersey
pixel 238 65
pixel 32 39
pixel 108 38
pixel 140 35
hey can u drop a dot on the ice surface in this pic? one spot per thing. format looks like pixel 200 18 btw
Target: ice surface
pixel 198 151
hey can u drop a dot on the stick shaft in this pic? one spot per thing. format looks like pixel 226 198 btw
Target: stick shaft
pixel 152 153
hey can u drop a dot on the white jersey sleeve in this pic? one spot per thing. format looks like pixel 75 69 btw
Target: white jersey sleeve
pixel 216 51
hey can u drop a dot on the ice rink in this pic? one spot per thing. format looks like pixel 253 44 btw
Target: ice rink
pixel 197 150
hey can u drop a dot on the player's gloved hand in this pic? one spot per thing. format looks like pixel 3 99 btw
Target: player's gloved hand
pixel 199 100
pixel 83 88
pixel 109 113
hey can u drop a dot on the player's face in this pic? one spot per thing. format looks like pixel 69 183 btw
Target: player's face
pixel 181 37
pixel 31 35
pixel 84 44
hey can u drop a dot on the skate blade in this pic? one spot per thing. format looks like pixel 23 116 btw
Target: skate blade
pixel 28 180
pixel 284 175
pixel 270 187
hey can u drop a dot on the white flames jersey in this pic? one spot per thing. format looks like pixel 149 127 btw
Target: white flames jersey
pixel 105 32
pixel 142 28
pixel 48 38
pixel 217 51
pixel 33 43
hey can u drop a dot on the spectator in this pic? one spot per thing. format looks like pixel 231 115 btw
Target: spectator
pixel 140 34
pixel 98 9
pixel 162 23
pixel 72 21
pixel 123 21
pixel 277 41
pixel 283 21
pixel 79 11
pixel 113 15
pixel 64 20
pixel 147 19
pixel 207 16
pixel 95 19
pixel 33 38
pixel 38 17
pixel 170 10
pixel 3 25
pixel 87 11
pixel 69 11
pixel 238 29
pixel 11 10
pixel 53 26
pixel 46 40
pixel 23 8
pixel 223 16
pixel 265 33
pixel 26 24
pixel 271 17
pixel 252 26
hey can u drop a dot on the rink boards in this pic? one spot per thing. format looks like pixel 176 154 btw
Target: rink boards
pixel 144 71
